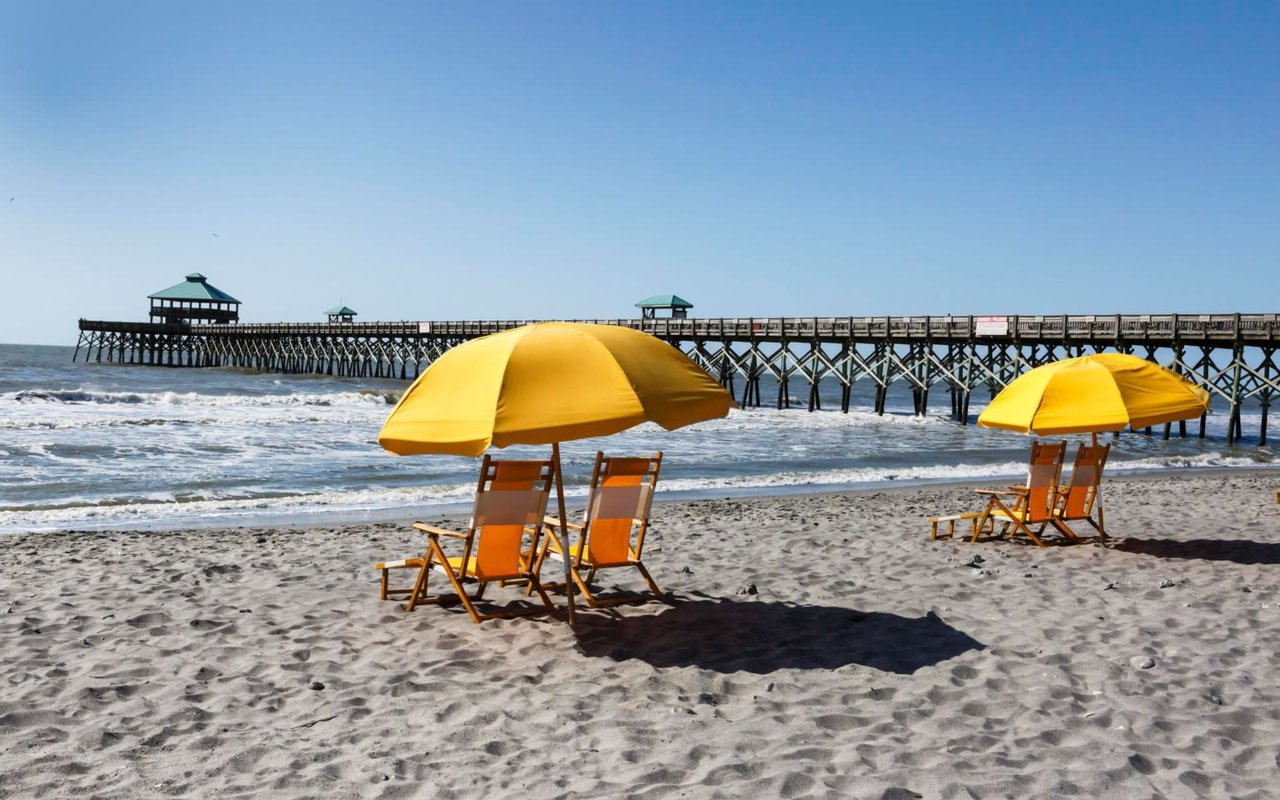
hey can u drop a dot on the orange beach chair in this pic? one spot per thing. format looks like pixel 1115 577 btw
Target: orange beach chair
pixel 506 524
pixel 1033 504
pixel 1079 498
pixel 613 525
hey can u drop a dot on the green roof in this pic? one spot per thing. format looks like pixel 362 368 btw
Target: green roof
pixel 664 301
pixel 195 287
pixel 341 310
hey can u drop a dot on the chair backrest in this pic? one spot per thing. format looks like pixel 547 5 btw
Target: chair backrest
pixel 1042 479
pixel 511 497
pixel 620 498
pixel 1082 489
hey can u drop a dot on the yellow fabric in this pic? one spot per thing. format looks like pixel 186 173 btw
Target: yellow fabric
pixel 549 382
pixel 1104 392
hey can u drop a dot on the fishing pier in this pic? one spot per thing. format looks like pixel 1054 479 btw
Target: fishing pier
pixel 1232 355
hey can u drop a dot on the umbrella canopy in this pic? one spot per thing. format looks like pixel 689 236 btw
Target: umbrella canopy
pixel 1103 392
pixel 549 382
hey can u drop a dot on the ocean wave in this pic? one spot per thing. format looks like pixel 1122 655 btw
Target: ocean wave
pixel 72 513
pixel 363 397
pixel 802 419
pixel 161 510
pixel 246 419
pixel 1171 462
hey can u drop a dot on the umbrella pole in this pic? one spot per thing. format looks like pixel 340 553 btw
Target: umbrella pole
pixel 564 530
pixel 1097 498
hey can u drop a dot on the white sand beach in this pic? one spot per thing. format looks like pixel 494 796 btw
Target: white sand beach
pixel 811 646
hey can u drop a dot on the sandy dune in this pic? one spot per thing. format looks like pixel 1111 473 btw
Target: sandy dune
pixel 813 646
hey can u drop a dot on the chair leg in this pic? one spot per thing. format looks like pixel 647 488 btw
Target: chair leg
pixel 462 594
pixel 649 579
pixel 418 595
pixel 584 587
pixel 1010 516
pixel 537 586
pixel 981 524
pixel 384 584
pixel 1065 529
pixel 419 585
pixel 1025 528
pixel 538 558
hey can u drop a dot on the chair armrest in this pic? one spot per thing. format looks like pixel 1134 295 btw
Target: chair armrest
pixel 425 528
pixel 1000 492
pixel 554 522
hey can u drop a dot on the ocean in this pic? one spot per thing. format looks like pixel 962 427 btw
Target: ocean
pixel 100 446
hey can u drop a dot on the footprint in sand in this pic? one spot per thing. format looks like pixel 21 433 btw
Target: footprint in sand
pixel 148 619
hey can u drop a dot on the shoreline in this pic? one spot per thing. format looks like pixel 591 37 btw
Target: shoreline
pixel 310 519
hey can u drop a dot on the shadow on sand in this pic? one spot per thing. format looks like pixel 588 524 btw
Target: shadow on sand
pixel 761 637
pixel 1239 551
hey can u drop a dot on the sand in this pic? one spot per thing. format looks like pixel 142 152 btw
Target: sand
pixel 812 646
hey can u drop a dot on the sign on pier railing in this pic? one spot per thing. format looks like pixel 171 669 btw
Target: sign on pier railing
pixel 991 326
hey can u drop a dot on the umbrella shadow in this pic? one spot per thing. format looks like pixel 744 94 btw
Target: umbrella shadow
pixel 1239 551
pixel 725 635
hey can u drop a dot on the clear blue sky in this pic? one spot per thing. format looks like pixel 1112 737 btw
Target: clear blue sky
pixel 563 160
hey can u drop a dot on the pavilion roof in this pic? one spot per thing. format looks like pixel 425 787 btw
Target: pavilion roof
pixel 195 287
pixel 664 301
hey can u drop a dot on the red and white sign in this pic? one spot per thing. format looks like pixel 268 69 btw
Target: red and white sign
pixel 991 326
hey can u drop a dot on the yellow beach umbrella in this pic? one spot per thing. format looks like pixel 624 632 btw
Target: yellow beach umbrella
pixel 547 383
pixel 1088 394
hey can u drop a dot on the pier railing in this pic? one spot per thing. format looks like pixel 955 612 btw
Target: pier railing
pixel 1248 328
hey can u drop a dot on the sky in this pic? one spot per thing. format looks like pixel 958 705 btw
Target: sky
pixel 563 160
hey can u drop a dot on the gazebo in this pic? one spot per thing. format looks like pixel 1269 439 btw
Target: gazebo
pixel 341 314
pixel 677 306
pixel 194 300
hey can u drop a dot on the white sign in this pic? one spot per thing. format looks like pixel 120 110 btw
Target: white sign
pixel 991 326
pixel 424 327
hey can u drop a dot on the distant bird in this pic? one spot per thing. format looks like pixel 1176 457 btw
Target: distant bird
pixel 215 236
pixel 11 199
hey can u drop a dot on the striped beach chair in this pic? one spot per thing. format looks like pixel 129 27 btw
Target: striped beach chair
pixel 614 523
pixel 506 525
pixel 1031 507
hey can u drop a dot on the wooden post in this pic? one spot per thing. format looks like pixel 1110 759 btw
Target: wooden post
pixel 565 545
pixel 1262 432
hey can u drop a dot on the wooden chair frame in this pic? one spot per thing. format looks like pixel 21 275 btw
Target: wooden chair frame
pixel 1032 504
pixel 621 494
pixel 511 502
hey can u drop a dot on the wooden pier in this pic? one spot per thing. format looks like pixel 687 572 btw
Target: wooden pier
pixel 1232 355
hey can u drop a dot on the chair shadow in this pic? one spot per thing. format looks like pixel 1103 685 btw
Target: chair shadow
pixel 1239 551
pixel 725 635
